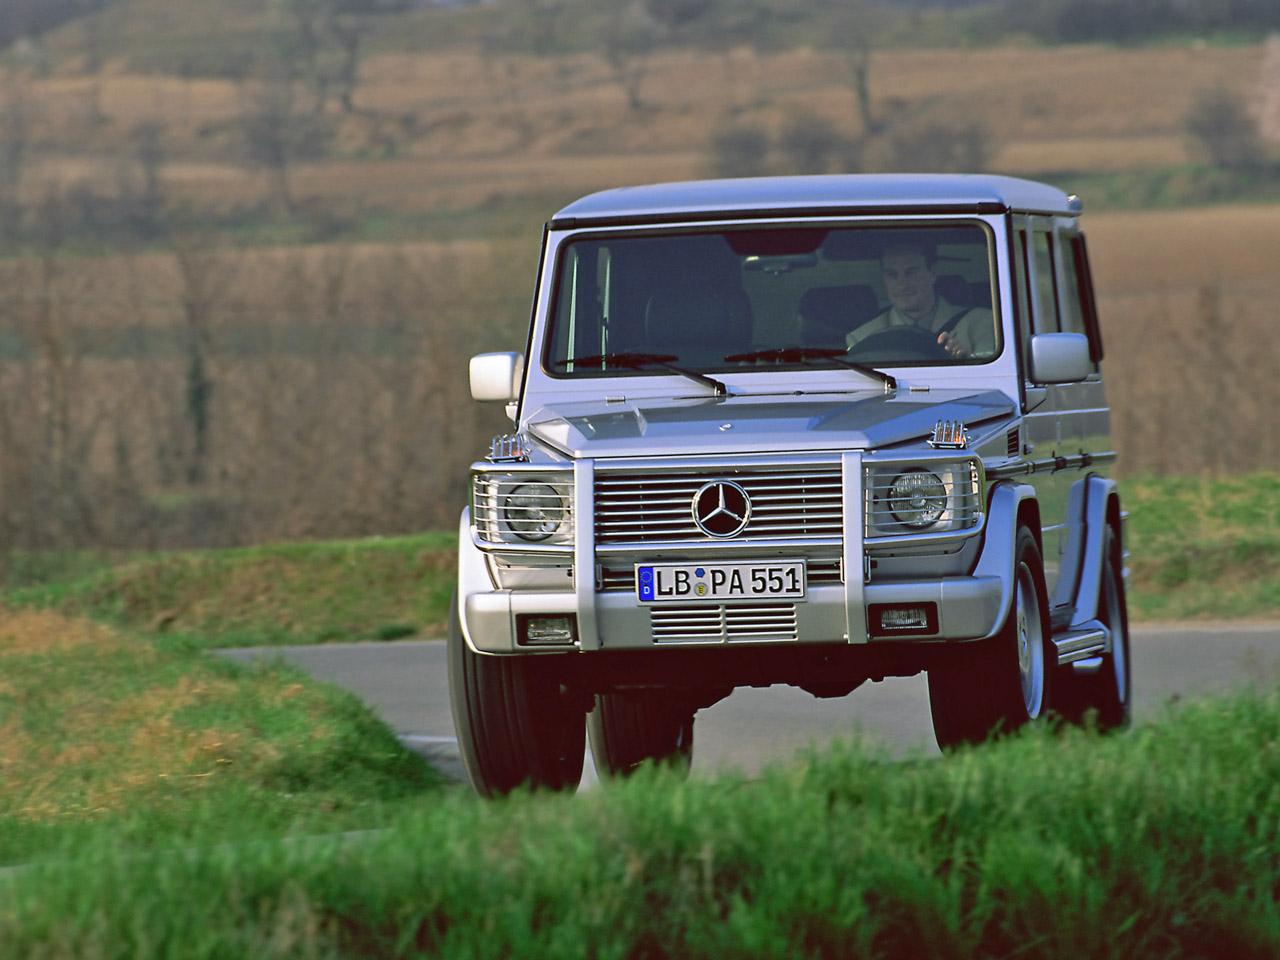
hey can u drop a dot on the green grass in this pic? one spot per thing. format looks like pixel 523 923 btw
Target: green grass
pixel 377 588
pixel 1163 842
pixel 1167 187
pixel 106 733
pixel 1202 547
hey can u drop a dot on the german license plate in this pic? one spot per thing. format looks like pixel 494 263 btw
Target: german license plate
pixel 690 582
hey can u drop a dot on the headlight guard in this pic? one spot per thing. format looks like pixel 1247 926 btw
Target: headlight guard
pixel 529 509
pixel 925 496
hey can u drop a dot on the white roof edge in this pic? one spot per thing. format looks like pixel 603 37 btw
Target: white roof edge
pixel 848 191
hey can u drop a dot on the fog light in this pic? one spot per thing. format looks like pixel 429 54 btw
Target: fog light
pixel 904 618
pixel 547 631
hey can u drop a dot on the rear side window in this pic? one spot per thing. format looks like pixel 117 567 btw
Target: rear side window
pixel 1078 256
pixel 1072 315
pixel 1045 285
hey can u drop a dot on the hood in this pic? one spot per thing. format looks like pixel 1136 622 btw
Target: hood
pixel 756 424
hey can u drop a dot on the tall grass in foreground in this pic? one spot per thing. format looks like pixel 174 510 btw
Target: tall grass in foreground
pixel 1159 843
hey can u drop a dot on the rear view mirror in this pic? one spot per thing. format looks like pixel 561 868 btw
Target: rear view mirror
pixel 496 376
pixel 1060 358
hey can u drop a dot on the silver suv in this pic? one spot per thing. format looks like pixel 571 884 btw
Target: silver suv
pixel 809 430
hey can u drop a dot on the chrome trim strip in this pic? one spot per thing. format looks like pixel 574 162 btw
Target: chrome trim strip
pixel 747 546
pixel 946 536
pixel 790 462
pixel 584 553
pixel 1070 412
pixel 1073 461
pixel 853 556
pixel 488 546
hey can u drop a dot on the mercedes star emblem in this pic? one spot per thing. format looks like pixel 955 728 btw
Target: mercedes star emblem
pixel 721 508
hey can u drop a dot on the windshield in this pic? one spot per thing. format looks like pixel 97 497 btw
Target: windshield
pixel 762 298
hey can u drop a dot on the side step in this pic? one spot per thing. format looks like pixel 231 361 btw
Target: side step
pixel 1083 644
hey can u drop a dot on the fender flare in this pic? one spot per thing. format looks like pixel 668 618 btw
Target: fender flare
pixel 1004 508
pixel 1101 494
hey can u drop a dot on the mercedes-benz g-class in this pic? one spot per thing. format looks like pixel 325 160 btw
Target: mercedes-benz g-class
pixel 801 430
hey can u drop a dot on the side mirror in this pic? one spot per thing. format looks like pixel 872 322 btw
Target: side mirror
pixel 496 376
pixel 1060 358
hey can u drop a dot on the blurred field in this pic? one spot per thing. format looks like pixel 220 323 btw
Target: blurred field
pixel 178 391
pixel 523 123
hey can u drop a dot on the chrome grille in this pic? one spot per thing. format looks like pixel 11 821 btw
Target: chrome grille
pixel 786 503
pixel 723 624
pixel 817 572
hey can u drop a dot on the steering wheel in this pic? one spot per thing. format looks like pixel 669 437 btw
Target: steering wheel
pixel 911 340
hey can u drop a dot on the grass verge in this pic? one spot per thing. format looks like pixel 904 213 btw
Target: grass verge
pixel 371 589
pixel 1162 842
pixel 1204 548
pixel 103 733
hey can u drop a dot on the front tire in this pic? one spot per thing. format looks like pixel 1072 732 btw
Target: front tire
pixel 516 724
pixel 997 685
pixel 633 726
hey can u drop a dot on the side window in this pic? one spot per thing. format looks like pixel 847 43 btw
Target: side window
pixel 1045 286
pixel 582 310
pixel 1072 316
pixel 1088 303
pixel 1021 293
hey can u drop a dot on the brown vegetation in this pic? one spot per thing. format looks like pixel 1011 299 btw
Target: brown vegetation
pixel 213 397
pixel 204 396
pixel 218 397
pixel 523 122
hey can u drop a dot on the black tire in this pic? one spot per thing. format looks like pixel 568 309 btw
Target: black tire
pixel 995 686
pixel 1106 694
pixel 633 726
pixel 516 724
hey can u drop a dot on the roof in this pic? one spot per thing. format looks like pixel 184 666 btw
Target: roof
pixel 850 193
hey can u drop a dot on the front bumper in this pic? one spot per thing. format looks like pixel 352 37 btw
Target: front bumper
pixel 968 608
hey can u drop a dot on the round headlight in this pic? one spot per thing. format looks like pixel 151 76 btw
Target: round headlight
pixel 917 499
pixel 533 511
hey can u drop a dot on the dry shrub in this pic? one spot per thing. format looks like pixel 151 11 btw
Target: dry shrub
pixel 1191 378
pixel 215 398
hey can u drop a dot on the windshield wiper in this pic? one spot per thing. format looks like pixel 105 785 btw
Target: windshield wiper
pixel 801 354
pixel 638 360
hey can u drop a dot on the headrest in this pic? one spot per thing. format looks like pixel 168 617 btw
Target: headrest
pixel 827 314
pixel 953 289
pixel 686 317
pixel 980 293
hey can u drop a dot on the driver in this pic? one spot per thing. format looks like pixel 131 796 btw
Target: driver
pixel 906 267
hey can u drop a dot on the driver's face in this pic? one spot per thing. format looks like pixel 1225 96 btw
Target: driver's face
pixel 909 282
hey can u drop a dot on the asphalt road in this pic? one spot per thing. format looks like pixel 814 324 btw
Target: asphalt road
pixel 406 683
